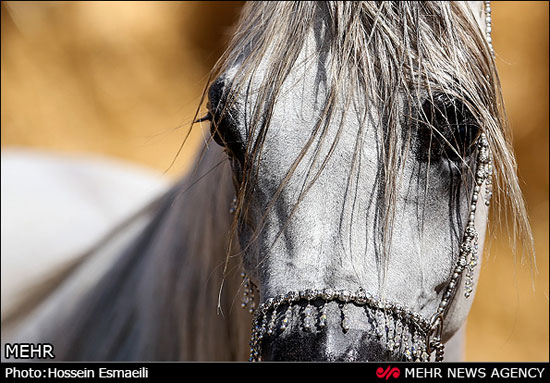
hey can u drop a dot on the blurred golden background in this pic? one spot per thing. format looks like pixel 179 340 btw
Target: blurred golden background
pixel 124 79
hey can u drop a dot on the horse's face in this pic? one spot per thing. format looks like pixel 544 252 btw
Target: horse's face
pixel 337 206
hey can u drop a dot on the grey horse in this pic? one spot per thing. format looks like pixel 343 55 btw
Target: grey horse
pixel 359 143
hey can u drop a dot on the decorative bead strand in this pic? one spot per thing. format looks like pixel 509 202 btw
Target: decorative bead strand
pixel 488 25
pixel 399 329
pixel 323 316
pixel 407 353
pixel 390 325
pixel 309 317
pixel 272 322
pixel 286 318
pixel 469 282
pixel 345 320
pixel 483 175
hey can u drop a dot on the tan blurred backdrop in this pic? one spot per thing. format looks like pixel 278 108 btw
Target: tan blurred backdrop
pixel 124 79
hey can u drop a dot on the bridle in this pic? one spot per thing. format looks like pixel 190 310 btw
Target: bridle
pixel 407 335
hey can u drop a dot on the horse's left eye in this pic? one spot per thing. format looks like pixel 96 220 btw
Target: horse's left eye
pixel 448 129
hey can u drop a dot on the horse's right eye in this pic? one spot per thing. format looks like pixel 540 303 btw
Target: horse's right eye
pixel 223 133
pixel 222 128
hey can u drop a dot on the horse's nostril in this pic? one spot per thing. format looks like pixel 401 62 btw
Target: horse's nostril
pixel 298 346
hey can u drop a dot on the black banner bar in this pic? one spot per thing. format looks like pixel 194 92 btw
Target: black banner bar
pixel 180 371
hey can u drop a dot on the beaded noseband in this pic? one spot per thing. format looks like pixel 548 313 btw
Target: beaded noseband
pixel 407 335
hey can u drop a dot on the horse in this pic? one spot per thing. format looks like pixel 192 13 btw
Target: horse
pixel 345 190
pixel 90 210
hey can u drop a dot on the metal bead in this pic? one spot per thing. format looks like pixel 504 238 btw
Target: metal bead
pixel 292 296
pixel 233 206
pixel 361 297
pixel 344 296
pixel 323 317
pixel 328 294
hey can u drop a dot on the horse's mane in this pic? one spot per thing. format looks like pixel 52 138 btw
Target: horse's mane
pixel 398 55
pixel 159 298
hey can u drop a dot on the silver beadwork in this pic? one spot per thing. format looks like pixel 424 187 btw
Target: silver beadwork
pixel 323 316
pixel 391 319
pixel 309 317
pixel 488 25
pixel 286 318
pixel 345 319
pixel 469 249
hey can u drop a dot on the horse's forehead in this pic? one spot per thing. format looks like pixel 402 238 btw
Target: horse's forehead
pixel 303 95
pixel 305 82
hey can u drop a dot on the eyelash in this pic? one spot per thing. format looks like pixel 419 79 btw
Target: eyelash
pixel 231 146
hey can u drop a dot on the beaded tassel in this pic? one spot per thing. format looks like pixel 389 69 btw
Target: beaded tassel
pixel 323 316
pixel 272 322
pixel 345 320
pixel 417 347
pixel 390 325
pixel 408 352
pixel 309 317
pixel 380 323
pixel 398 335
pixel 286 318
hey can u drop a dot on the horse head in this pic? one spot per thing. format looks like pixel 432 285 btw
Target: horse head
pixel 364 138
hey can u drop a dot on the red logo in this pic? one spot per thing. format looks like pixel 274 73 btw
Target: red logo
pixel 389 372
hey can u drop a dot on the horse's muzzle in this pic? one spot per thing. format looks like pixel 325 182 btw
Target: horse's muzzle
pixel 336 331
pixel 328 343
